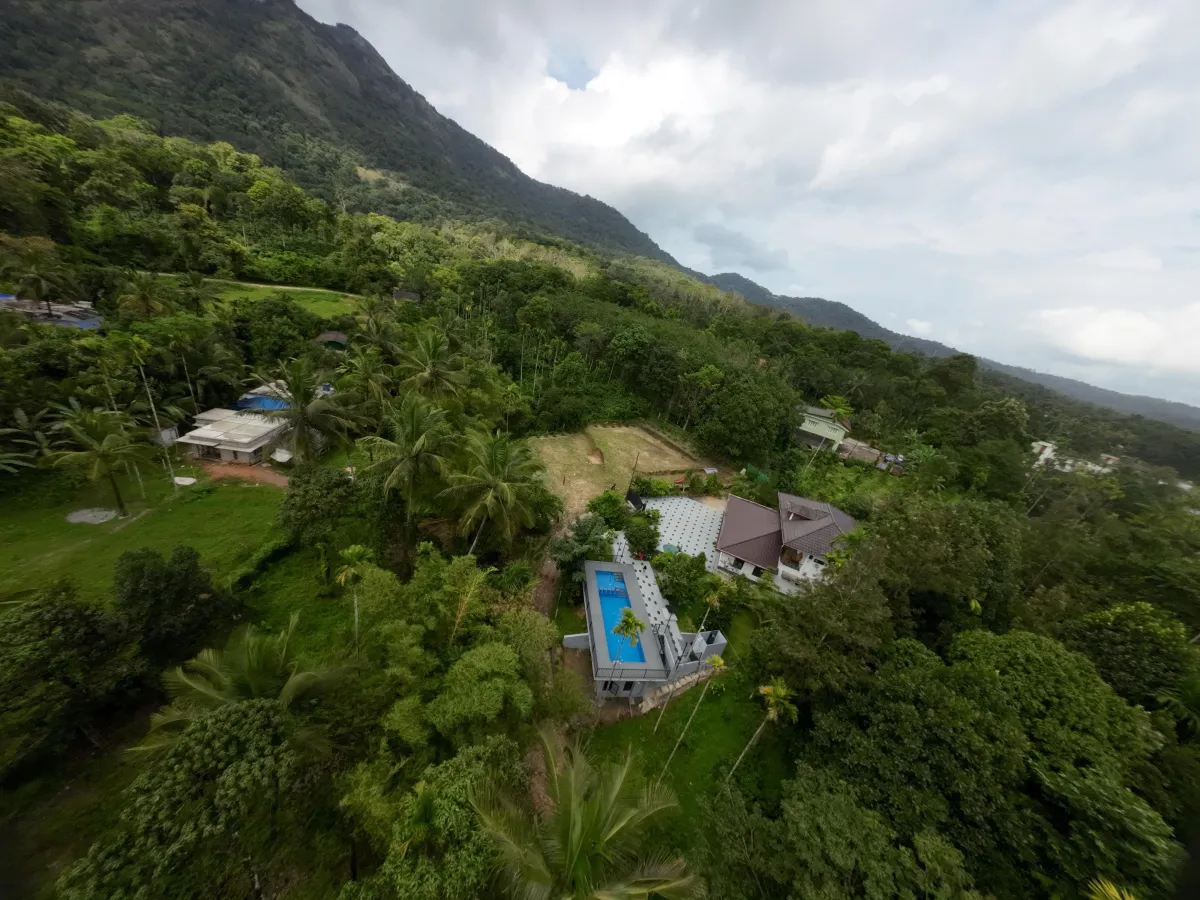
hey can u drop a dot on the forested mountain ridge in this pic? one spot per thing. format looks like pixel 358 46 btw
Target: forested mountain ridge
pixel 833 314
pixel 317 100
pixel 320 102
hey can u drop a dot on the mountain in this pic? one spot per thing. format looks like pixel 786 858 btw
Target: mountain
pixel 317 100
pixel 831 314
pixel 320 102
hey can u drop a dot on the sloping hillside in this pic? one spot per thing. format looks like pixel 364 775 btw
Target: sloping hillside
pixel 831 314
pixel 315 99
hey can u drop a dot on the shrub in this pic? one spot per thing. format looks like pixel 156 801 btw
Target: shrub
pixel 642 534
pixel 645 486
pixel 611 508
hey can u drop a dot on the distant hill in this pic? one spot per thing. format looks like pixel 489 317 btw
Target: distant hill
pixel 831 314
pixel 320 102
pixel 315 99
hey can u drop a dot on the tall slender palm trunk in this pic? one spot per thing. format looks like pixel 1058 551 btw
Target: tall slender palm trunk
pixel 686 726
pixel 112 482
pixel 753 740
pixel 158 428
pixel 478 534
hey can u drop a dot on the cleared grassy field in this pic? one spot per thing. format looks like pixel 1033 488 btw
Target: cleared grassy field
pixel 226 522
pixel 580 466
pixel 323 302
pixel 316 300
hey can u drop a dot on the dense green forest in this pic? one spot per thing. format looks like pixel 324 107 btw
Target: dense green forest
pixel 314 99
pixel 992 694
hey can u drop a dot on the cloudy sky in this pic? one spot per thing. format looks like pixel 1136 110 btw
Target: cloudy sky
pixel 1017 179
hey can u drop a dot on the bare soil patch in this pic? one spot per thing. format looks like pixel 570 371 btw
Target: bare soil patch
pixel 260 474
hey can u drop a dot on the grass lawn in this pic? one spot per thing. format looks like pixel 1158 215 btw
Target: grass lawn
pixel 570 619
pixel 316 300
pixel 226 522
pixel 723 724
pixel 580 466
pixel 325 633
pixel 323 302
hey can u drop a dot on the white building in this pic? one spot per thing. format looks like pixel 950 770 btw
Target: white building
pixel 233 436
pixel 1046 453
pixel 821 428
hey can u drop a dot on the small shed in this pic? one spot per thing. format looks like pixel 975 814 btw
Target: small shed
pixel 406 295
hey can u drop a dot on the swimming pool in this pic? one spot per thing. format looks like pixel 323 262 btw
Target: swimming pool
pixel 614 598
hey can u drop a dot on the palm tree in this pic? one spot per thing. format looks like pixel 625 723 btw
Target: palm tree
pixel 1103 889
pixel 33 435
pixel 195 292
pixel 10 460
pixel 588 846
pixel 495 484
pixel 139 350
pixel 1184 704
pixel 142 294
pixel 778 697
pixel 369 380
pixel 312 416
pixel 355 559
pixel 838 404
pixel 717 663
pixel 37 275
pixel 628 628
pixel 432 367
pixel 253 666
pixel 104 445
pixel 420 438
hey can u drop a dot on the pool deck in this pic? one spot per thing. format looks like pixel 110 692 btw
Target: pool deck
pixel 604 666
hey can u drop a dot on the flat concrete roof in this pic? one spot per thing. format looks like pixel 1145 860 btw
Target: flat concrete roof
pixel 603 666
pixel 229 429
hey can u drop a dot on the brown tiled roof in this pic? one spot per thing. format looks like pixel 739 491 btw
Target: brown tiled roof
pixel 750 531
pixel 811 526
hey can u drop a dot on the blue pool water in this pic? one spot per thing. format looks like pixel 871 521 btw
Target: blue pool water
pixel 613 599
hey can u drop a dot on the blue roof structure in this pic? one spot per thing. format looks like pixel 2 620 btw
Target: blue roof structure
pixel 260 402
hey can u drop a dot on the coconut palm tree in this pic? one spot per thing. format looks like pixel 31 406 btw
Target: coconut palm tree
pixel 628 628
pixel 195 293
pixel 778 698
pixel 143 294
pixel 313 418
pixel 716 663
pixel 355 559
pixel 37 274
pixel 495 484
pixel 418 443
pixel 1103 889
pixel 103 444
pixel 839 405
pixel 253 666
pixel 1184 704
pixel 432 367
pixel 589 844
pixel 11 460
pixel 368 379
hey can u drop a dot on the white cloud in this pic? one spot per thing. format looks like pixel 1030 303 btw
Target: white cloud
pixel 1159 341
pixel 1032 167
pixel 919 327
